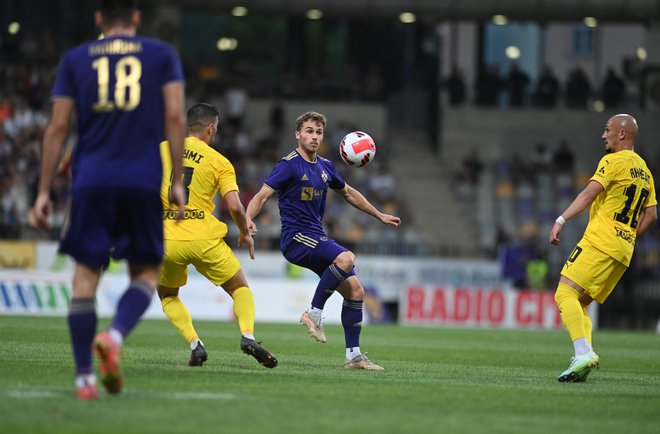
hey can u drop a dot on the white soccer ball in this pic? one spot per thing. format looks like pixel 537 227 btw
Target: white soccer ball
pixel 357 149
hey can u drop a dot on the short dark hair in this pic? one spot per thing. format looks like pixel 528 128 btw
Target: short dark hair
pixel 200 115
pixel 310 116
pixel 117 11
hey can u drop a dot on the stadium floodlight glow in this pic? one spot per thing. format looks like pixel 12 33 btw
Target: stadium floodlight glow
pixel 512 52
pixel 227 44
pixel 641 53
pixel 314 14
pixel 598 106
pixel 500 20
pixel 239 11
pixel 14 27
pixel 407 17
pixel 590 22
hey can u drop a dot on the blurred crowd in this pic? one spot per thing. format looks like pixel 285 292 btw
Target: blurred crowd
pixel 516 89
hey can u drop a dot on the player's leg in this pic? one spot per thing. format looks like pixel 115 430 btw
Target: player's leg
pixel 173 275
pixel 177 313
pixel 82 322
pixel 239 291
pixel 138 238
pixel 130 308
pixel 220 266
pixel 332 277
pixel 572 314
pixel 351 320
pixel 588 325
pixel 334 264
pixel 87 239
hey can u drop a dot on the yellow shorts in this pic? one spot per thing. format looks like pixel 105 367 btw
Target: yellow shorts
pixel 212 258
pixel 595 272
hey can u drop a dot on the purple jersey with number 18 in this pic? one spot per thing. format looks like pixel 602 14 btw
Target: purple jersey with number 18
pixel 117 85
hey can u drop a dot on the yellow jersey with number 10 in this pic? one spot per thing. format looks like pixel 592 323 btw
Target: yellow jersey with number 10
pixel 614 215
pixel 205 172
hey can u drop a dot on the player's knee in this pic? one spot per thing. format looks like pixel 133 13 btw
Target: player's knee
pixel 563 293
pixel 345 261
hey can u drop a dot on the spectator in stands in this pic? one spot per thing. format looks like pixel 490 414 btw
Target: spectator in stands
pixel 613 89
pixel 455 86
pixel 373 83
pixel 382 185
pixel 517 84
pixel 489 84
pixel 541 159
pixel 563 158
pixel 547 89
pixel 578 89
pixel 236 100
pixel 473 166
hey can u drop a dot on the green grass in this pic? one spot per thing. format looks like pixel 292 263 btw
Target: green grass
pixel 436 380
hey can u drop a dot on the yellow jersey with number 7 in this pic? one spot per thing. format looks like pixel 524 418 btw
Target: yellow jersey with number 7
pixel 205 172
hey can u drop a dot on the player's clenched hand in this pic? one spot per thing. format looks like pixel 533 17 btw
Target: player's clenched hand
pixel 252 228
pixel 554 234
pixel 247 240
pixel 178 198
pixel 390 220
pixel 38 216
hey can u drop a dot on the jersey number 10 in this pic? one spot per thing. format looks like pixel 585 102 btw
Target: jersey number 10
pixel 622 216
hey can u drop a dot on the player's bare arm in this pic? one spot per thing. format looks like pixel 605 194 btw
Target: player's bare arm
pixel 649 216
pixel 173 98
pixel 357 199
pixel 256 205
pixel 238 215
pixel 53 142
pixel 579 204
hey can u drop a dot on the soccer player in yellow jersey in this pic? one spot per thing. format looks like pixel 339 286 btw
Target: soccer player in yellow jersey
pixel 623 206
pixel 198 239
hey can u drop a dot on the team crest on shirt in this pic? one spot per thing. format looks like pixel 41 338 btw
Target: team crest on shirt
pixel 324 176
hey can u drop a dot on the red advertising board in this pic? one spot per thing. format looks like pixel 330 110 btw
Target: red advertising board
pixel 480 307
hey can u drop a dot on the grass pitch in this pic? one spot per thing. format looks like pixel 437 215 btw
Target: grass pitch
pixel 436 381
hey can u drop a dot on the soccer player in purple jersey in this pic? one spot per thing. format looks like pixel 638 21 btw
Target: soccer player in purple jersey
pixel 127 91
pixel 301 181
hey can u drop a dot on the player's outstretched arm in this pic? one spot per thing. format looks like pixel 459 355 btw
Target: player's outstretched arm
pixel 256 205
pixel 175 132
pixel 238 215
pixel 649 216
pixel 357 199
pixel 53 142
pixel 579 204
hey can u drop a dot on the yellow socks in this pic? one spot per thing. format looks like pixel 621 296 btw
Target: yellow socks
pixel 588 326
pixel 572 312
pixel 179 316
pixel 244 309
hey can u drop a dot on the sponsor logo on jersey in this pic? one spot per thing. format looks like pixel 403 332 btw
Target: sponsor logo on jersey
pixel 189 214
pixel 625 235
pixel 304 177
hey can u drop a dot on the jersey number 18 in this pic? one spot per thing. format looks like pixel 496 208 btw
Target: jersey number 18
pixel 128 72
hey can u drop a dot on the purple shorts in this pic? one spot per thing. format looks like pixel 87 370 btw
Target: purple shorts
pixel 313 252
pixel 122 223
